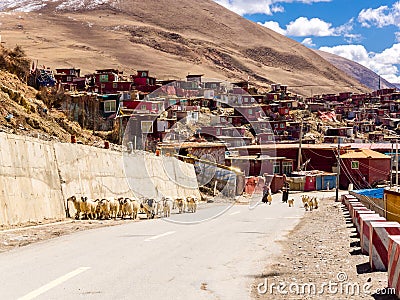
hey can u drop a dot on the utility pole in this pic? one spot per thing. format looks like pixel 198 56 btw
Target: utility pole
pixel 391 166
pixel 338 172
pixel 397 164
pixel 300 141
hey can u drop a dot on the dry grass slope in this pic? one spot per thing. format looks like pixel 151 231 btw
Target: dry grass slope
pixel 171 39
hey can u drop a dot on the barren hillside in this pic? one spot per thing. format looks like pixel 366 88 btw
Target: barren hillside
pixel 24 110
pixel 357 71
pixel 171 39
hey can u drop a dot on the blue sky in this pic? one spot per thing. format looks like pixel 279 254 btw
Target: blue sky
pixel 367 32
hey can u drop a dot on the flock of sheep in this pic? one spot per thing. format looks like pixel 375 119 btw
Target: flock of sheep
pixel 108 208
pixel 309 203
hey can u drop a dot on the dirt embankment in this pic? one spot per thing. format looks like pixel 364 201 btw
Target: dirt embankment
pixel 322 252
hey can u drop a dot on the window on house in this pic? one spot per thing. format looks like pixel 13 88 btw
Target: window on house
pixel 250 111
pixel 143 107
pixel 104 78
pixel 277 168
pixel 103 86
pixel 218 131
pixel 147 126
pixel 110 106
pixel 275 125
pixel 354 164
pixel 154 106
pixel 282 125
pixel 69 78
pixel 287 167
pixel 115 85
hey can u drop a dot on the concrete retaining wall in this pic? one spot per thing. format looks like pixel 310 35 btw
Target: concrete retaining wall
pixel 37 177
pixel 29 181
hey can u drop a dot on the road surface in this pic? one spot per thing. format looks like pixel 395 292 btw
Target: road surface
pixel 155 259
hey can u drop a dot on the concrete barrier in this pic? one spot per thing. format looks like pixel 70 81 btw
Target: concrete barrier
pixel 365 221
pixel 379 243
pixel 346 198
pixel 36 177
pixel 358 213
pixel 394 263
pixel 353 206
pixel 29 181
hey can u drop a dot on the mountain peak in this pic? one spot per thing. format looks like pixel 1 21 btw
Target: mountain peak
pixel 35 5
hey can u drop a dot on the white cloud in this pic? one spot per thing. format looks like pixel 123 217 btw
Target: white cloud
pixel 312 27
pixel 277 9
pixel 381 16
pixel 308 42
pixel 309 27
pixel 268 7
pixel 397 35
pixel 274 26
pixel 384 63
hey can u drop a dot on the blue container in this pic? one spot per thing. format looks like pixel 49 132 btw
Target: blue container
pixel 319 182
pixel 328 180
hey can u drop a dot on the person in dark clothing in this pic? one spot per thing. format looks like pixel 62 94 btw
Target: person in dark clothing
pixel 285 194
pixel 266 191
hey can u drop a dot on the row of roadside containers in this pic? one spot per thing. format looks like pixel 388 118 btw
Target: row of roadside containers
pixel 379 239
pixel 308 181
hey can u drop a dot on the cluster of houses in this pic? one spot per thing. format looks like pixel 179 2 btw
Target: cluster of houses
pixel 274 137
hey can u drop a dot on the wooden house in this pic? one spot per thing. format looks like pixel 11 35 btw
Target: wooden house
pixel 143 82
pixel 144 107
pixel 260 165
pixel 364 168
pixel 108 81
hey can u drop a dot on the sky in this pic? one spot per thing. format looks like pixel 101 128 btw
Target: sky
pixel 365 31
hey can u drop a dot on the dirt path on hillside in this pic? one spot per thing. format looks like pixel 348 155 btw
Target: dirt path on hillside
pixel 323 249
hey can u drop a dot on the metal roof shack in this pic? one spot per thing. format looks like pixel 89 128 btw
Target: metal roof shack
pixel 259 165
pixel 364 168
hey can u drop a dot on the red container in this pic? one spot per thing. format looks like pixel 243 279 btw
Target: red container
pixel 106 145
pixel 310 183
pixel 73 139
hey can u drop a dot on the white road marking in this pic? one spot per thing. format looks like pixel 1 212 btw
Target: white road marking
pixel 53 284
pixel 158 236
pixel 234 213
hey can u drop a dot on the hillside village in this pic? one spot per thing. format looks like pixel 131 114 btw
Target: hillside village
pixel 267 136
pixel 138 118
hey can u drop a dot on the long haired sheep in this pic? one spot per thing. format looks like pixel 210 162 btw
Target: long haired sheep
pixel 167 204
pixel 77 206
pixel 181 204
pixel 191 203
pixel 114 208
pixel 149 207
pixel 88 208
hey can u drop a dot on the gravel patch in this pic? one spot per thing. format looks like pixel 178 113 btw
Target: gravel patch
pixel 321 259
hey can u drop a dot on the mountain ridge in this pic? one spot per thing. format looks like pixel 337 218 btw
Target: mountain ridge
pixel 172 39
pixel 364 75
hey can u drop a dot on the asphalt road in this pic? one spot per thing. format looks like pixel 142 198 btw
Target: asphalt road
pixel 155 259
